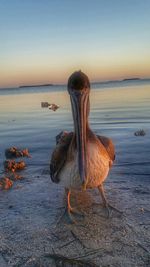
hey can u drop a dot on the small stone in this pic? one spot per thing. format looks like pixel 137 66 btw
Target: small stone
pixel 142 210
pixel 140 133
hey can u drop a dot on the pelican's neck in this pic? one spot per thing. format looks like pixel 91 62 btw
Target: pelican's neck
pixel 87 129
pixel 85 121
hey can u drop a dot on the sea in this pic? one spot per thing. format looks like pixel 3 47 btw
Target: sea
pixel 118 110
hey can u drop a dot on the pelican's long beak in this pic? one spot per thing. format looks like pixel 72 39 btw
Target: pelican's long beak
pixel 79 102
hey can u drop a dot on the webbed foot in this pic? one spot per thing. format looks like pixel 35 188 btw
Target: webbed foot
pixel 108 206
pixel 69 211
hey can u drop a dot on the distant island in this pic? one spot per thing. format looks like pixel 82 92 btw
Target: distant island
pixel 36 85
pixel 120 81
pixel 107 82
pixel 131 79
pixel 101 82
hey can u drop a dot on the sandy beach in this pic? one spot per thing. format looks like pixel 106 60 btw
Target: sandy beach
pixel 30 232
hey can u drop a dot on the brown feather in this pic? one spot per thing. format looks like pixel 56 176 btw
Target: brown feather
pixel 59 154
pixel 109 146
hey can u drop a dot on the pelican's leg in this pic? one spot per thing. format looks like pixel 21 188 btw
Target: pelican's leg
pixel 69 209
pixel 105 202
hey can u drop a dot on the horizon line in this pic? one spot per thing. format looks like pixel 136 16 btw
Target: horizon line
pixel 65 84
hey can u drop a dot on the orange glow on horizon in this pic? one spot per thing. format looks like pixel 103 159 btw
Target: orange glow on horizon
pixel 39 74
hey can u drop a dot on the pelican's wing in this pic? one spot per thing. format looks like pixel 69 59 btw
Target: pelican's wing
pixel 59 154
pixel 109 146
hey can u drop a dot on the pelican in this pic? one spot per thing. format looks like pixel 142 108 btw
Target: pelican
pixel 81 159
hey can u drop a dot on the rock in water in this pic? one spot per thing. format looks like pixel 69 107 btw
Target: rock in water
pixel 45 104
pixel 140 133
pixel 54 107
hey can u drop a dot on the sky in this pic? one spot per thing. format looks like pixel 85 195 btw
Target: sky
pixel 44 41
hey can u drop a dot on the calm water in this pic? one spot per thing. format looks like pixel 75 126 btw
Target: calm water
pixel 116 111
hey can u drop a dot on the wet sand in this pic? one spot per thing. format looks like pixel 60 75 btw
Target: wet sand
pixel 29 216
pixel 30 234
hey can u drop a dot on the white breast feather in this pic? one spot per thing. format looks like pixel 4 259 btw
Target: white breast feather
pixel 98 168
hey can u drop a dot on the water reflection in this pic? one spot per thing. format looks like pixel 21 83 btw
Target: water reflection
pixel 114 112
pixel 109 107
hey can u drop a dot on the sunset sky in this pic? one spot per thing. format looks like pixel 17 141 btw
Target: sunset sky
pixel 43 41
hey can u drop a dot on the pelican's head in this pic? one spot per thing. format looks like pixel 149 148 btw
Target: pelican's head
pixel 79 88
